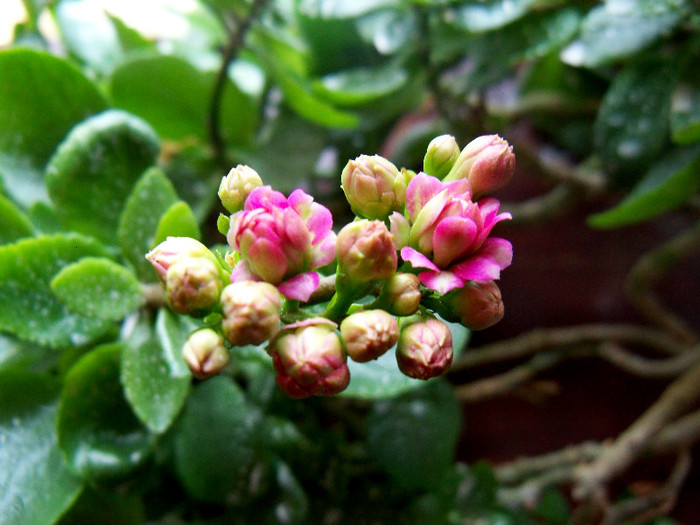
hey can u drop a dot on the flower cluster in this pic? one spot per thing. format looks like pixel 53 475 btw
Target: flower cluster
pixel 419 251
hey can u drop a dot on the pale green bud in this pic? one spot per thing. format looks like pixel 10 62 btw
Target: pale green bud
pixel 371 186
pixel 205 353
pixel 402 294
pixel 236 186
pixel 251 312
pixel 369 334
pixel 193 285
pixel 366 251
pixel 441 155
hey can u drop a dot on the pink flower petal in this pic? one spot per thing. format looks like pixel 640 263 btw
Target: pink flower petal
pixel 324 252
pixel 441 282
pixel 267 261
pixel 426 217
pixel 317 218
pixel 241 272
pixel 486 265
pixel 420 190
pixel 300 287
pixel 460 189
pixel 417 259
pixel 265 197
pixel 452 239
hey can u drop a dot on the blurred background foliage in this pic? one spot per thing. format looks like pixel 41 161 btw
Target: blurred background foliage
pixel 113 137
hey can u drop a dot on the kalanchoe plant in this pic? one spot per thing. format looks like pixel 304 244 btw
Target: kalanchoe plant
pixel 416 238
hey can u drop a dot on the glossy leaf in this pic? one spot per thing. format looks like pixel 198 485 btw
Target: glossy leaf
pixel 15 224
pixel 94 169
pixel 36 486
pixel 152 195
pixel 88 33
pixel 358 86
pixel 413 437
pixel 342 9
pixel 41 98
pixel 155 378
pixel 620 28
pixel 487 16
pixel 381 378
pixel 98 287
pixel 177 221
pixel 685 112
pixel 99 435
pixel 28 307
pixel 632 124
pixel 216 429
pixel 668 184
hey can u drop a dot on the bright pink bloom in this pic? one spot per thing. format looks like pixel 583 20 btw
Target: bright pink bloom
pixel 281 240
pixel 450 234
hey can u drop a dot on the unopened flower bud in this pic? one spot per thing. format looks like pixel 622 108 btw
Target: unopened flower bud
pixel 373 187
pixel 424 349
pixel 205 353
pixel 369 334
pixel 441 155
pixel 251 312
pixel 402 294
pixel 487 162
pixel 400 229
pixel 193 285
pixel 477 305
pixel 173 248
pixel 236 186
pixel 366 251
pixel 309 359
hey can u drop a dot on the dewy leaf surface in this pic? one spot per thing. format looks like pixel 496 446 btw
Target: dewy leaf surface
pixel 98 287
pixel 28 307
pixel 151 197
pixel 95 168
pixel 36 486
pixel 41 98
pixel 99 435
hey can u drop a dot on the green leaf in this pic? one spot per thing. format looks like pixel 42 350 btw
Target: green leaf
pixel 93 171
pixel 15 224
pixel 177 221
pixel 28 307
pixel 107 507
pixel 41 98
pixel 88 33
pixel 152 196
pixel 632 124
pixel 98 287
pixel 487 16
pixel 553 508
pixel 668 184
pixel 155 378
pixel 342 9
pixel 130 39
pixel 36 486
pixel 99 435
pixel 685 113
pixel 358 86
pixel 621 28
pixel 413 437
pixel 216 428
pixel 170 94
pixel 381 378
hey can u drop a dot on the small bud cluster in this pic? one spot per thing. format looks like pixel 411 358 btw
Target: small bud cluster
pixel 419 250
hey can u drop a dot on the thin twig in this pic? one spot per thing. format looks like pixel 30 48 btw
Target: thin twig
pixel 592 479
pixel 545 338
pixel 236 37
pixel 644 367
pixel 642 509
pixel 650 267
pixel 500 384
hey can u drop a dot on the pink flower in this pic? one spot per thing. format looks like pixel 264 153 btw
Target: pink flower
pixel 281 240
pixel 449 234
